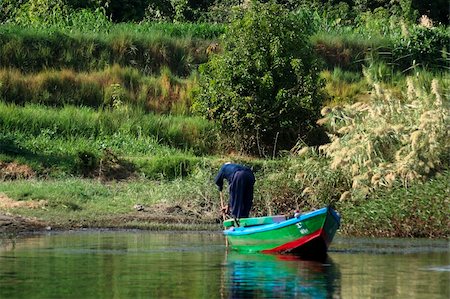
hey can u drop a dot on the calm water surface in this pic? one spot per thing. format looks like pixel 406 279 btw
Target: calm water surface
pixel 136 264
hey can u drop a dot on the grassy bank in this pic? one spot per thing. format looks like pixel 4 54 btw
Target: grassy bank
pixel 57 142
pixel 418 211
pixel 386 170
pixel 193 203
pixel 72 122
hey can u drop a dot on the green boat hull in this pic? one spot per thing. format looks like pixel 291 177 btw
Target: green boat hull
pixel 309 233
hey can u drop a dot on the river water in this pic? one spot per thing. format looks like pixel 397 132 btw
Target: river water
pixel 142 264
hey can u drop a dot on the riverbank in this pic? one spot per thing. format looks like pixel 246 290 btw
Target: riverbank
pixel 12 225
pixel 385 171
pixel 29 206
pixel 111 125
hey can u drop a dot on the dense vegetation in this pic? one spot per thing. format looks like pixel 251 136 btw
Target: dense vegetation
pixel 264 88
pixel 218 11
pixel 97 116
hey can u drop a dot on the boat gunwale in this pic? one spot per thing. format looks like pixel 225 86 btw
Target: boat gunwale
pixel 239 231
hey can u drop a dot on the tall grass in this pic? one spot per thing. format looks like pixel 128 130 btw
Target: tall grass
pixel 418 211
pixel 32 50
pixel 348 51
pixel 403 49
pixel 88 21
pixel 392 139
pixel 207 31
pixel 113 86
pixel 344 86
pixel 380 148
pixel 187 133
pixel 117 143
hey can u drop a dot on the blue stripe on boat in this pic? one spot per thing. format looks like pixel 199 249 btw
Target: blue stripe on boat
pixel 239 231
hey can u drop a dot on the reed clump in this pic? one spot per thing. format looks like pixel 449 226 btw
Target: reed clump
pixel 385 169
pixel 390 140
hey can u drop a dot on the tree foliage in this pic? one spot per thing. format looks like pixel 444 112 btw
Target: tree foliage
pixel 37 12
pixel 220 10
pixel 264 87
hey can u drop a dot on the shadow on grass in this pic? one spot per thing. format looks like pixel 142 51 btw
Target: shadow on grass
pixel 106 165
pixel 14 151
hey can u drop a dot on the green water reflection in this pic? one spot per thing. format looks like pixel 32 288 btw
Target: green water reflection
pixel 136 264
pixel 271 276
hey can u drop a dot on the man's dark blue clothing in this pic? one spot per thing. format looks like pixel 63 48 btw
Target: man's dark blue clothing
pixel 241 180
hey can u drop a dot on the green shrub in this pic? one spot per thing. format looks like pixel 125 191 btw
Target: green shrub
pixel 380 22
pixel 36 13
pixel 422 46
pixel 264 87
pixel 89 20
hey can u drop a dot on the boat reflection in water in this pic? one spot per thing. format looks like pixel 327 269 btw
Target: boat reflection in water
pixel 279 276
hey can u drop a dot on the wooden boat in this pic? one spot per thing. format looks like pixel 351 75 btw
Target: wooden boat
pixel 307 235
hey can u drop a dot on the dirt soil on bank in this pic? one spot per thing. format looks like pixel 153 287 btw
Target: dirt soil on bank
pixel 14 171
pixel 17 224
pixel 159 216
pixel 12 223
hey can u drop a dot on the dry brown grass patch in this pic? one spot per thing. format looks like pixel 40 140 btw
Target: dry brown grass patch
pixel 9 203
pixel 14 171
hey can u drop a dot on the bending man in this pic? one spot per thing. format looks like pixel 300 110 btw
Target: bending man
pixel 240 180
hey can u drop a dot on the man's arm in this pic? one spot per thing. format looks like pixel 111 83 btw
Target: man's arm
pixel 219 179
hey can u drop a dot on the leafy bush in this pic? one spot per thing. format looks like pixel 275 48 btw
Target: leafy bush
pixel 221 11
pixel 36 13
pixel 422 46
pixel 87 20
pixel 380 22
pixel 156 10
pixel 264 87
